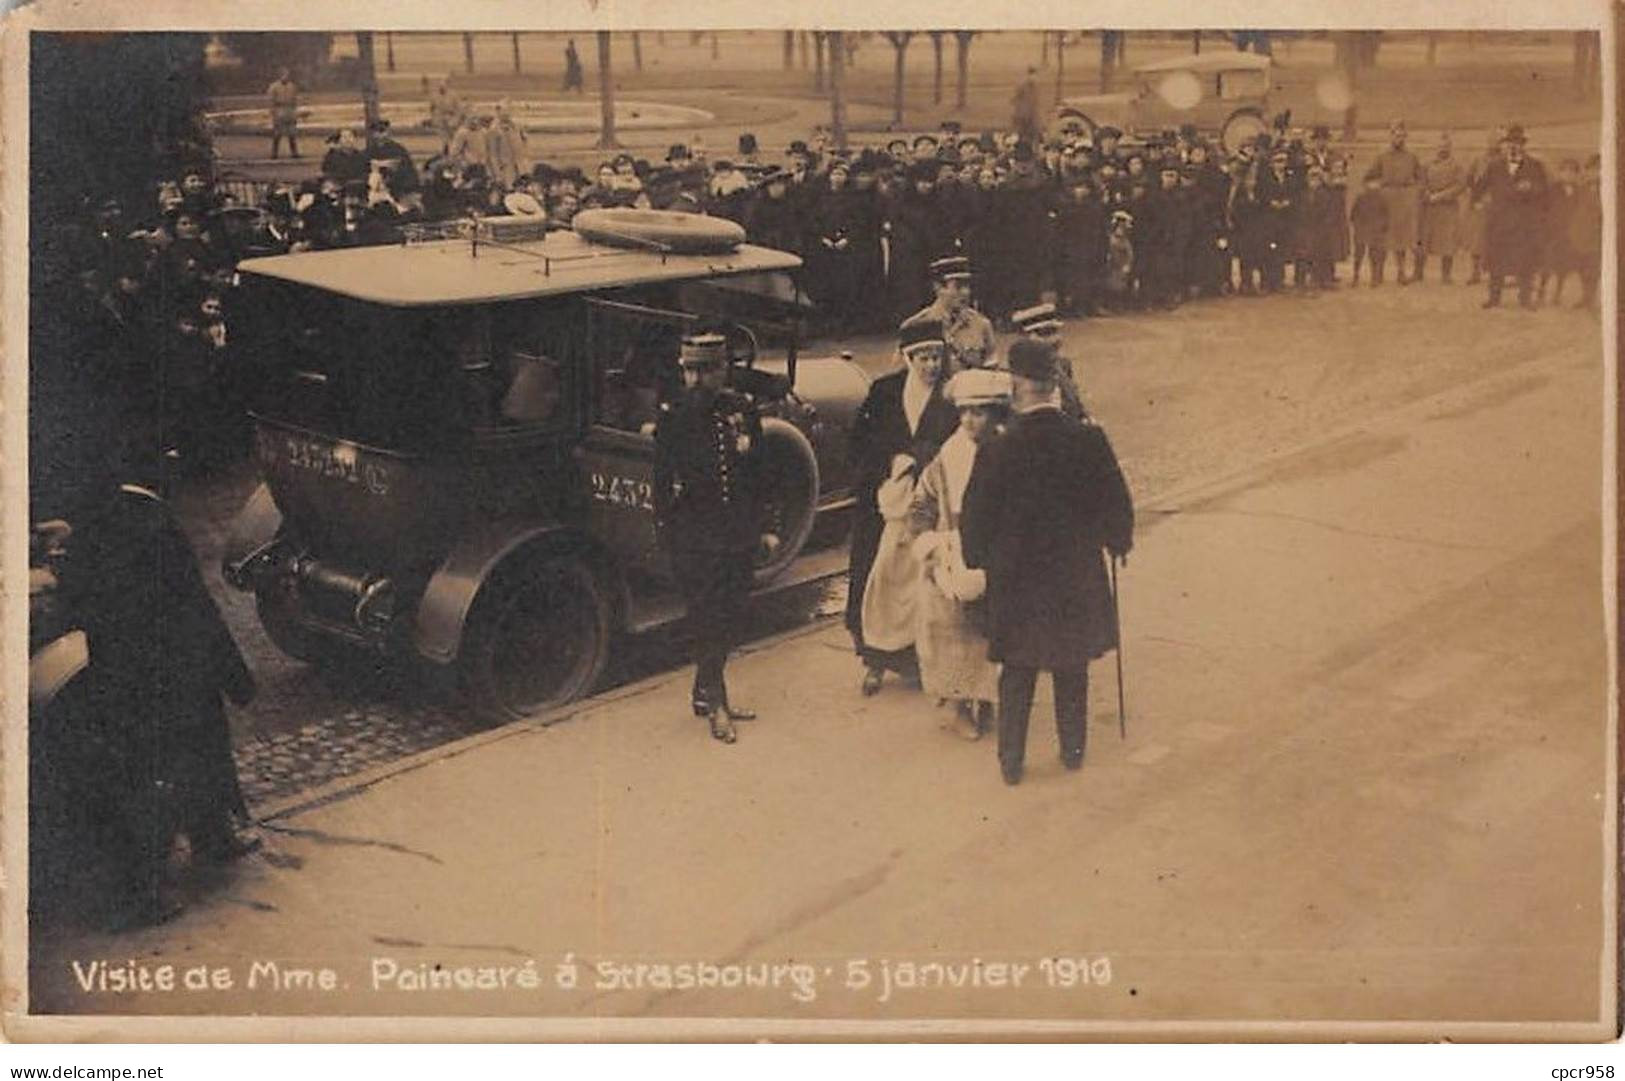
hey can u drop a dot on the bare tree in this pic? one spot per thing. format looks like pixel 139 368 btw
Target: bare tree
pixel 936 69
pixel 1108 57
pixel 837 88
pixel 716 49
pixel 606 96
pixel 899 42
pixel 517 64
pixel 962 40
pixel 369 77
pixel 789 49
pixel 389 51
pixel 1060 64
pixel 637 51
pixel 805 40
pixel 1043 48
pixel 1196 42
pixel 820 47
pixel 468 52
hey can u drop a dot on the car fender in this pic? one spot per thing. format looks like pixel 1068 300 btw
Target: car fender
pixel 255 526
pixel 442 613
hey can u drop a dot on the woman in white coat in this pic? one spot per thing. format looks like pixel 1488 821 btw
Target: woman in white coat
pixel 951 645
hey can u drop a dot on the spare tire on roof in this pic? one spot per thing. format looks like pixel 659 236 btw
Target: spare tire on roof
pixel 658 230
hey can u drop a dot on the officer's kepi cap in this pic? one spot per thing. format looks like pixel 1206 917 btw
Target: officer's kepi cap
pixel 1039 320
pixel 951 268
pixel 703 351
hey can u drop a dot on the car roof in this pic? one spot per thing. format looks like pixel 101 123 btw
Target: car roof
pixel 1206 63
pixel 454 272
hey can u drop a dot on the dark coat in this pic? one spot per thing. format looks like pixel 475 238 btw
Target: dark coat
pixel 772 223
pixel 1515 217
pixel 709 473
pixel 1369 217
pixel 880 431
pixel 161 656
pixel 1042 503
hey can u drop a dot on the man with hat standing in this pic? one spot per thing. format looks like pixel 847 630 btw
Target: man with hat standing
pixel 968 333
pixel 1514 190
pixel 1400 176
pixel 903 415
pixel 1042 503
pixel 707 480
pixel 1444 182
pixel 1041 323
pixel 283 98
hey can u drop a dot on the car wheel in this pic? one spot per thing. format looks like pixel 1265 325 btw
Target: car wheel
pixel 789 504
pixel 1242 127
pixel 279 616
pixel 538 637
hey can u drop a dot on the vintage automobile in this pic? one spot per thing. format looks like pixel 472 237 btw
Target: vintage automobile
pixel 455 438
pixel 1222 93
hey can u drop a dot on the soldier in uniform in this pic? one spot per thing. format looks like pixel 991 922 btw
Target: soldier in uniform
pixel 967 332
pixel 283 96
pixel 1400 175
pixel 1444 181
pixel 707 477
pixel 1041 323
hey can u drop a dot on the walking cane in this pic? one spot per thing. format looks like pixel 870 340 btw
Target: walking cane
pixel 1117 625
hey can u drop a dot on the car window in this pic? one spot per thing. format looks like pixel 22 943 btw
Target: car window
pixel 1235 85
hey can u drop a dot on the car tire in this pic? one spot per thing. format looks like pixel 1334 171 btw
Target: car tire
pixel 538 637
pixel 790 504
pixel 1240 127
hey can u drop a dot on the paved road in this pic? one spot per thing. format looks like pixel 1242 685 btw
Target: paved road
pixel 1363 781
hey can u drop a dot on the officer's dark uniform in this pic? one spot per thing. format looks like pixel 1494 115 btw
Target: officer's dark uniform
pixel 708 473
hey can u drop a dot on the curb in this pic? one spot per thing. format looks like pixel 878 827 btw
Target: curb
pixel 343 788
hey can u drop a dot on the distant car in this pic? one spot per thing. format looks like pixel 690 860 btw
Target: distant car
pixel 456 440
pixel 1226 94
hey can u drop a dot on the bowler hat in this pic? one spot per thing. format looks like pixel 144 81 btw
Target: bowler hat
pixel 1032 358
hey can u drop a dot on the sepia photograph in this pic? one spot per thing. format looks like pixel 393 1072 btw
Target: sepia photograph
pixel 811 531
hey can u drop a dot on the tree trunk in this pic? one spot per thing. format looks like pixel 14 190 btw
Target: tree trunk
pixel 369 77
pixel 1108 58
pixel 518 65
pixel 716 49
pixel 820 47
pixel 468 52
pixel 899 42
pixel 1060 65
pixel 389 51
pixel 606 96
pixel 1043 48
pixel 1350 48
pixel 936 70
pixel 1196 42
pixel 805 40
pixel 789 49
pixel 837 88
pixel 962 40
pixel 637 51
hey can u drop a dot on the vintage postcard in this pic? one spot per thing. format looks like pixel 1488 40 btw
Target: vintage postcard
pixel 810 523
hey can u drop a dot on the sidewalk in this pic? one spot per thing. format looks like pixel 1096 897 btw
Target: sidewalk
pixel 1347 752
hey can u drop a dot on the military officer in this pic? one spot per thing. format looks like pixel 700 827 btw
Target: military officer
pixel 708 477
pixel 967 332
pixel 1040 322
pixel 1401 177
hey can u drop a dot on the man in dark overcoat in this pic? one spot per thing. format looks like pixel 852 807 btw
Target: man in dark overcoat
pixel 1044 502
pixel 904 413
pixel 708 479
pixel 161 659
pixel 1515 187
